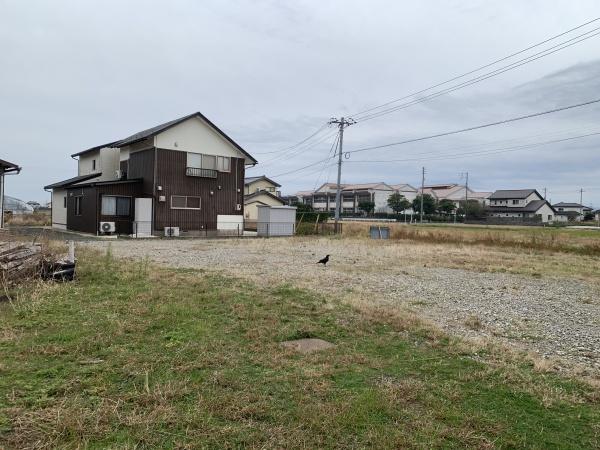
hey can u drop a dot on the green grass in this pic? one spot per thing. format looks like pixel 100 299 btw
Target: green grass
pixel 131 356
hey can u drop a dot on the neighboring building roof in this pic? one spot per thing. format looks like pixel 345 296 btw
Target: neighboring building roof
pixel 259 193
pixel 571 205
pixel 73 180
pixel 365 186
pixel 141 135
pixel 9 167
pixel 403 187
pixel 513 193
pixel 249 180
pixel 304 193
pixel 531 207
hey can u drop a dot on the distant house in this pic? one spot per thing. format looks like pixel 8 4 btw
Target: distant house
pixel 571 212
pixel 260 191
pixel 520 205
pixel 456 193
pixel 261 183
pixel 185 174
pixel 6 168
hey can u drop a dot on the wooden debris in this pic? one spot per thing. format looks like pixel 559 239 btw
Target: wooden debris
pixel 19 260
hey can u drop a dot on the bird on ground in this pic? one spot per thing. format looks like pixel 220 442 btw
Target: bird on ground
pixel 324 261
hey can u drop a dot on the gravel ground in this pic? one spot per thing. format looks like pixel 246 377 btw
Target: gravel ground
pixel 555 318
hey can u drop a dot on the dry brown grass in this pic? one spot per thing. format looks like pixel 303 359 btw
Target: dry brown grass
pixel 33 219
pixel 533 238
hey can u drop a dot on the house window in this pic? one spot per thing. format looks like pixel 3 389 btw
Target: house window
pixel 223 164
pixel 78 205
pixel 64 202
pixel 515 202
pixel 549 216
pixel 93 164
pixel 185 202
pixel 115 206
pixel 210 162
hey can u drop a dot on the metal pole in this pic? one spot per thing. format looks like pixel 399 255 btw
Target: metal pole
pixel 422 190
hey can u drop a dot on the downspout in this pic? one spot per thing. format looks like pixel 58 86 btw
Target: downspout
pixel 51 205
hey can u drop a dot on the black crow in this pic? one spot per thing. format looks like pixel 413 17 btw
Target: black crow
pixel 324 261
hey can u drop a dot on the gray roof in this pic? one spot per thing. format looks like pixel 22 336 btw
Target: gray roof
pixel 570 205
pixel 9 167
pixel 512 193
pixel 141 135
pixel 73 180
pixel 249 180
pixel 267 193
pixel 531 207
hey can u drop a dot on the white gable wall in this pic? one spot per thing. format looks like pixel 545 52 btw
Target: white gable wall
pixel 107 162
pixel 194 135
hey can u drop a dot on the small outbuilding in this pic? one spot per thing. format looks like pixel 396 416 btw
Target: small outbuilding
pixel 276 220
pixel 5 168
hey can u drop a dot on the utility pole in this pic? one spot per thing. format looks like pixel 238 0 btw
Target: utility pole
pixel 466 175
pixel 341 123
pixel 544 193
pixel 422 191
pixel 581 203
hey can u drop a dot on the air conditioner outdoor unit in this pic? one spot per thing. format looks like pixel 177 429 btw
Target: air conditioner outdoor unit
pixel 118 174
pixel 171 231
pixel 107 227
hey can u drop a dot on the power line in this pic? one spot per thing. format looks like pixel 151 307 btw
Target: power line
pixel 475 70
pixel 333 146
pixel 483 77
pixel 501 122
pixel 480 152
pixel 325 125
pixel 299 150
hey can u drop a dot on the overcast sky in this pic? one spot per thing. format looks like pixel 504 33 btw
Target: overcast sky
pixel 79 73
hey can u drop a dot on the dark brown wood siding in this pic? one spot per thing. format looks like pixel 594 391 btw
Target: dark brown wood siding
pixel 141 165
pixel 88 221
pixel 219 196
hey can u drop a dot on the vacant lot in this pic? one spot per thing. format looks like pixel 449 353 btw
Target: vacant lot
pixel 544 302
pixel 138 356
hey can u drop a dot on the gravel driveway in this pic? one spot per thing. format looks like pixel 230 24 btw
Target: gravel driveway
pixel 558 318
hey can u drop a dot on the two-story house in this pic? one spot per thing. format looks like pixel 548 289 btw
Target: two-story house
pixel 571 212
pixel 6 168
pixel 185 174
pixel 520 205
pixel 455 193
pixel 259 191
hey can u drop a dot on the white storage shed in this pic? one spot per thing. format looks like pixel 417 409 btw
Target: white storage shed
pixel 276 220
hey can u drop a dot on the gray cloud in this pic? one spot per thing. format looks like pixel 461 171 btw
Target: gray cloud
pixel 76 74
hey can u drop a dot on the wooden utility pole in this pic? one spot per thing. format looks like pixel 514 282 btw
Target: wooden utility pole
pixel 342 123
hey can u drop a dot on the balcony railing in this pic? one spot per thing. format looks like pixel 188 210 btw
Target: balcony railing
pixel 203 173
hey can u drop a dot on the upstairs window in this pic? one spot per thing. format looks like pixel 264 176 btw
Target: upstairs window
pixel 224 164
pixel 210 162
pixel 515 202
pixel 93 164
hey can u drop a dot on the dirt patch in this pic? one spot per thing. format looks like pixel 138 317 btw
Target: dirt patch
pixel 308 345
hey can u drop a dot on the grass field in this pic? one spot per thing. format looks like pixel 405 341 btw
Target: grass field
pixel 132 356
pixel 581 242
